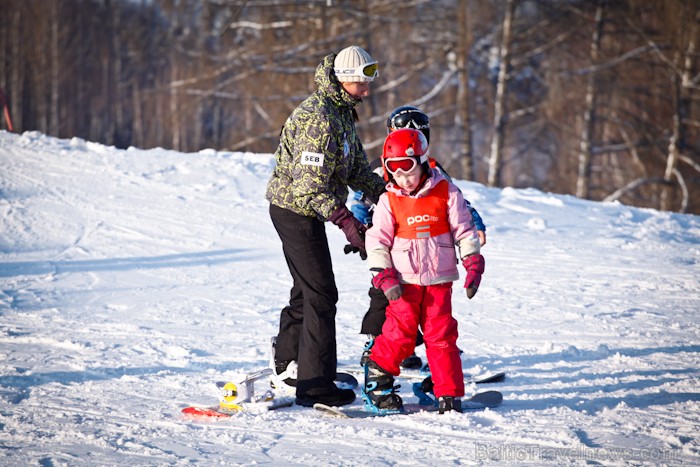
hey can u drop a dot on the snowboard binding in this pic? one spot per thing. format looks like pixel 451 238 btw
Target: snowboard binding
pixel 424 392
pixel 235 396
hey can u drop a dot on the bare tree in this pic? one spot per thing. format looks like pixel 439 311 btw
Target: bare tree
pixel 589 116
pixel 463 113
pixel 54 77
pixel 188 74
pixel 499 122
pixel 17 66
pixel 682 84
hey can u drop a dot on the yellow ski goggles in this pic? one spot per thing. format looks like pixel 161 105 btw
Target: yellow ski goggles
pixel 369 71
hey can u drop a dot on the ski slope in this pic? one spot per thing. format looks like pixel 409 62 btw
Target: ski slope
pixel 130 280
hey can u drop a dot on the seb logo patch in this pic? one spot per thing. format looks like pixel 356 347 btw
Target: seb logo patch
pixel 312 158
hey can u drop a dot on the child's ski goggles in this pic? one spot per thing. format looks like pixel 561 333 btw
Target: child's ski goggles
pixel 409 119
pixel 400 164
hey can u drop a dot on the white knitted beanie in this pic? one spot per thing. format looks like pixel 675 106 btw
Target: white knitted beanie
pixel 349 62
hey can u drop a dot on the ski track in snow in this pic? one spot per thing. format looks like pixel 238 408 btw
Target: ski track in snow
pixel 130 280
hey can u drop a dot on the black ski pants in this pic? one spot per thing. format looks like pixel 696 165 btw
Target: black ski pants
pixel 376 313
pixel 307 324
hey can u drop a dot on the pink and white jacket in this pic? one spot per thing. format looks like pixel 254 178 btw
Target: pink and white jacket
pixel 422 261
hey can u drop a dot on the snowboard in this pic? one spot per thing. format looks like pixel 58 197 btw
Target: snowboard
pixel 346 381
pixel 487 378
pixel 479 401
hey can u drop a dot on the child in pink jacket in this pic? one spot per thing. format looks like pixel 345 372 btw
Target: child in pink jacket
pixel 411 253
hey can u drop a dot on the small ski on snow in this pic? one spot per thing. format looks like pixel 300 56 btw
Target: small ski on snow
pixel 240 396
pixel 479 401
pixel 205 412
pixel 212 413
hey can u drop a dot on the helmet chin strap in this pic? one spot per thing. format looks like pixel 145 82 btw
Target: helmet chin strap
pixel 423 179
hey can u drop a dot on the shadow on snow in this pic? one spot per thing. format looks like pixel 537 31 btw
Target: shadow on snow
pixel 180 260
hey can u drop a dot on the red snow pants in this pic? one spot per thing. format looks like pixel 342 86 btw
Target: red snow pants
pixel 429 307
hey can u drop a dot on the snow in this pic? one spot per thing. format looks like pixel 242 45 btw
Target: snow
pixel 131 280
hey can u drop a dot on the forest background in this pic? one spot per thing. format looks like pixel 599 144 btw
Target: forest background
pixel 595 98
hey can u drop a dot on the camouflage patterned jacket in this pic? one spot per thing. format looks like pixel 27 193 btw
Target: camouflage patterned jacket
pixel 320 153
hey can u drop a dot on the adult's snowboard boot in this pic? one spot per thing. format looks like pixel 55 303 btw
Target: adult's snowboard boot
pixel 284 377
pixel 329 395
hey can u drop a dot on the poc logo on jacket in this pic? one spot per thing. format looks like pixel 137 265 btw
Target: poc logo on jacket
pixel 421 218
pixel 432 220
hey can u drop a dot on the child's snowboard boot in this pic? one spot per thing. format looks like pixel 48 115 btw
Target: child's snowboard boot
pixel 412 362
pixel 379 391
pixel 449 403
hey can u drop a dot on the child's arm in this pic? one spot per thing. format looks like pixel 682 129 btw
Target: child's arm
pixel 378 242
pixel 480 227
pixel 462 223
pixel 466 237
pixel 478 222
pixel 380 238
pixel 361 208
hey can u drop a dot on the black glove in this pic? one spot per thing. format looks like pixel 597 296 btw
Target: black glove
pixel 353 229
pixel 351 249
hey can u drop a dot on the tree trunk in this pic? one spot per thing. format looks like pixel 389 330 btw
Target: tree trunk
pixel 54 123
pixel 494 177
pixel 174 118
pixel 138 134
pixel 682 103
pixel 589 117
pixel 16 75
pixel 40 77
pixel 119 102
pixel 463 119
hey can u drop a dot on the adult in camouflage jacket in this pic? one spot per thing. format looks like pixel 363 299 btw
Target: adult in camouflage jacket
pixel 319 156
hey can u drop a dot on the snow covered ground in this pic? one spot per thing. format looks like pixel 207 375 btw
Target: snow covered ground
pixel 130 280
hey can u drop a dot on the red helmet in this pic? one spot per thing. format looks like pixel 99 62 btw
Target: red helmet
pixel 403 150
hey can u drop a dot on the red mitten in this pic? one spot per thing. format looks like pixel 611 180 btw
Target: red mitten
pixel 474 265
pixel 388 281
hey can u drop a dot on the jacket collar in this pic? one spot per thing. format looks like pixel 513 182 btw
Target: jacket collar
pixel 329 85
